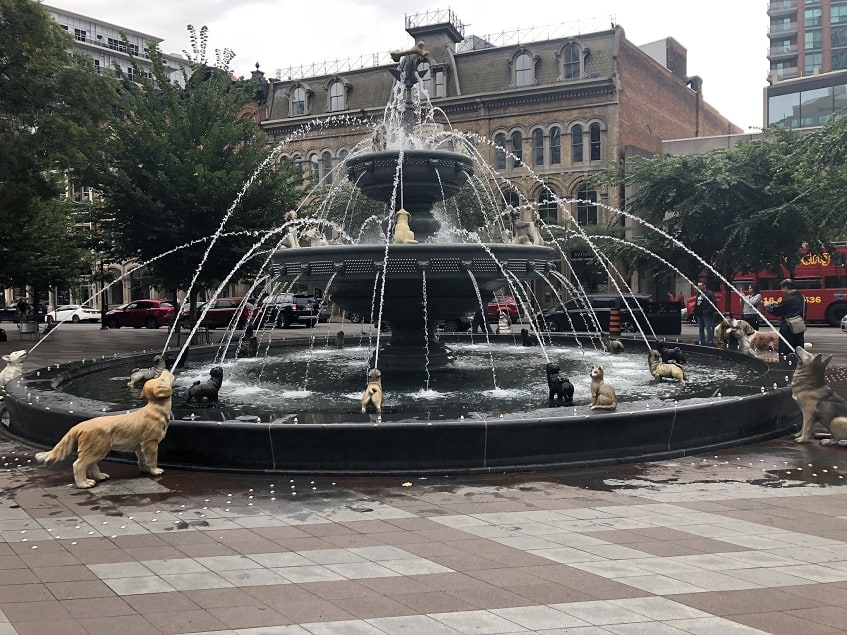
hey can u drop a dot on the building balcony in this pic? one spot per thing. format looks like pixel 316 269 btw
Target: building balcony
pixel 778 75
pixel 782 7
pixel 783 52
pixel 782 29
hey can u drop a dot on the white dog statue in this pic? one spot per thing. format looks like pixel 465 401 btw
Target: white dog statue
pixel 14 367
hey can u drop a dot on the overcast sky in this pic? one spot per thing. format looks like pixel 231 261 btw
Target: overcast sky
pixel 726 39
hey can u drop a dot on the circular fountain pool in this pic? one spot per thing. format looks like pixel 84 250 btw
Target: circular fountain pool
pixel 298 410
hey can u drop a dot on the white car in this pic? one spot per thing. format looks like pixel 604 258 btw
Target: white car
pixel 73 313
pixel 844 324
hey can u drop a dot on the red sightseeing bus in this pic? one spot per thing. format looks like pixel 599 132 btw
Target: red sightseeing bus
pixel 822 278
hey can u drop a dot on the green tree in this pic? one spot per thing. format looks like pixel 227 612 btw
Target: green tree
pixel 739 210
pixel 181 159
pixel 51 106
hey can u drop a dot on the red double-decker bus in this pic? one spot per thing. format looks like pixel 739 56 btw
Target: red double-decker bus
pixel 821 277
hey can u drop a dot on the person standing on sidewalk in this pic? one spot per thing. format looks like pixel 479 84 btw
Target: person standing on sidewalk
pixel 704 313
pixel 752 303
pixel 793 304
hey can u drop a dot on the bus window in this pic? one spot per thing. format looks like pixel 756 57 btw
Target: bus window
pixel 808 283
pixel 835 282
pixel 769 284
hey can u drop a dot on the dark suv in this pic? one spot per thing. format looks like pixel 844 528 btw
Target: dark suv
pixel 222 313
pixel 285 309
pixel 578 314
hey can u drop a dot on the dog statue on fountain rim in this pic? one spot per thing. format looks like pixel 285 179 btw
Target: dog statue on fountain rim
pixel 611 346
pixel 816 400
pixel 560 388
pixel 661 370
pixel 504 324
pixel 140 375
pixel 208 389
pixel 668 354
pixel 528 339
pixel 373 391
pixel 14 367
pixel 603 396
pixel 403 235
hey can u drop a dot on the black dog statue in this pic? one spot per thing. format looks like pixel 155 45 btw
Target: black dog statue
pixel 561 389
pixel 674 354
pixel 528 339
pixel 339 339
pixel 208 389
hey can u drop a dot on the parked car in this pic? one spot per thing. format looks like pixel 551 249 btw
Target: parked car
pixel 9 313
pixel 285 309
pixel 578 314
pixel 73 312
pixel 138 313
pixel 501 304
pixel 844 324
pixel 221 313
pixel 458 324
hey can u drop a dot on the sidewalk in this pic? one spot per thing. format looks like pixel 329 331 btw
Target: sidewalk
pixel 749 540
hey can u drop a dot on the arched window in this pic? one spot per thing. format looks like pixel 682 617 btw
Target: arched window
pixel 298 161
pixel 548 208
pixel 555 146
pixel 572 62
pixel 500 151
pixel 326 165
pixel 512 198
pixel 538 147
pixel 594 142
pixel 576 144
pixel 298 101
pixel 342 156
pixel 315 169
pixel 337 99
pixel 586 208
pixel 523 70
pixel 517 149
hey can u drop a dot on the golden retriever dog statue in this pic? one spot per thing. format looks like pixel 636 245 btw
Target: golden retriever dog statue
pixel 139 431
pixel 402 233
pixel 764 341
pixel 373 391
pixel 817 401
pixel 660 370
pixel 14 367
pixel 603 397
pixel 141 375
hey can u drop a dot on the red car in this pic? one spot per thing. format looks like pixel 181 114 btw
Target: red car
pixel 505 304
pixel 138 313
pixel 222 312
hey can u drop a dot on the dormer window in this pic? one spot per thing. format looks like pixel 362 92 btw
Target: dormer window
pixel 337 92
pixel 433 79
pixel 299 100
pixel 572 62
pixel 524 69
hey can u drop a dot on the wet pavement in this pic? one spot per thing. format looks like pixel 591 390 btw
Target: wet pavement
pixel 746 540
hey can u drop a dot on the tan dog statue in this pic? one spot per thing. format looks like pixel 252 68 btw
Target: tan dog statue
pixel 659 369
pixel 138 431
pixel 14 367
pixel 290 239
pixel 402 232
pixel 373 391
pixel 603 397
pixel 524 230
pixel 817 401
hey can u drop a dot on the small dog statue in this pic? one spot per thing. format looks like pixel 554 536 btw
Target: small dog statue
pixel 528 339
pixel 14 367
pixel 141 375
pixel 373 391
pixel 612 346
pixel 817 401
pixel 603 397
pixel 139 431
pixel 402 233
pixel 524 231
pixel 668 355
pixel 208 389
pixel 339 339
pixel 561 389
pixel 315 237
pixel 504 324
pixel 249 346
pixel 661 370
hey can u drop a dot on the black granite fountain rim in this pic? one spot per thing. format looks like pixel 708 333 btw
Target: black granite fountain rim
pixel 511 443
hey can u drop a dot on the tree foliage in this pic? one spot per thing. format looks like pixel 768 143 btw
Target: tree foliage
pixel 181 158
pixel 51 106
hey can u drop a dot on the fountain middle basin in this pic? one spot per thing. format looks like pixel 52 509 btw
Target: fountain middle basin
pixel 737 406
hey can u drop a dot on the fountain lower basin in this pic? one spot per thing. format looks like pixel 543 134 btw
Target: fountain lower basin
pixel 533 436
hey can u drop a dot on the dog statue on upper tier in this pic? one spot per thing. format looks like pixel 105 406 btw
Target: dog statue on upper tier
pixel 660 370
pixel 560 387
pixel 603 396
pixel 14 367
pixel 402 232
pixel 612 346
pixel 138 431
pixel 524 231
pixel 373 391
pixel 141 375
pixel 208 389
pixel 315 237
pixel 817 401
pixel 290 239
